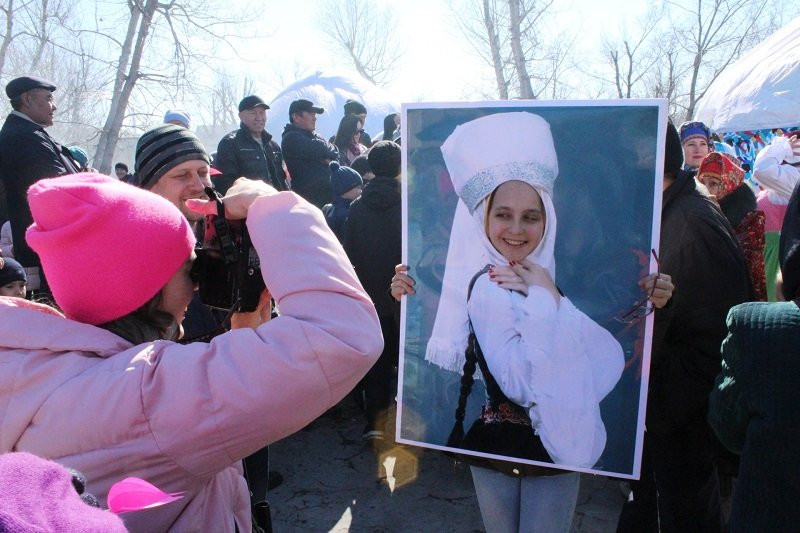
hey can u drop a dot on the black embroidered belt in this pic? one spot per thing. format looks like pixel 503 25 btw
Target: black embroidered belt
pixel 505 412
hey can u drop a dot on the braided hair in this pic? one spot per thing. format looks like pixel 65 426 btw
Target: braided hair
pixel 468 374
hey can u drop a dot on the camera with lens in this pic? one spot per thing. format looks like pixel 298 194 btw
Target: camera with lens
pixel 227 268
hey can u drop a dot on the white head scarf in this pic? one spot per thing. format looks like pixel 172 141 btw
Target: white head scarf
pixel 480 157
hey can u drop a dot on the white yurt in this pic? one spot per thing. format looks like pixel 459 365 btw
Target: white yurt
pixel 330 90
pixel 760 90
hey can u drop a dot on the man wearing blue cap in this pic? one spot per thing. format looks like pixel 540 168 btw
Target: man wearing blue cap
pixel 178 118
pixel 28 154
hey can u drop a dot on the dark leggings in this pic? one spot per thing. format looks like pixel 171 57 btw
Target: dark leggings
pixel 378 390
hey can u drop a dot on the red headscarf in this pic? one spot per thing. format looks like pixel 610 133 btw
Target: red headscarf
pixel 724 168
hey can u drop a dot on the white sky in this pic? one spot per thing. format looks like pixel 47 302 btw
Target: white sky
pixel 438 63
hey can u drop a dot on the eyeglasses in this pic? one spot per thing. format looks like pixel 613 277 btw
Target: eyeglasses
pixel 643 307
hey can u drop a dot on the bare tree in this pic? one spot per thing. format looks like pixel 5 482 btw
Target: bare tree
pixel 9 14
pixel 511 36
pixel 365 32
pixel 30 25
pixel 662 79
pixel 127 74
pixel 515 21
pixel 632 57
pixel 482 24
pixel 715 34
pixel 38 41
pixel 154 26
pixel 495 47
pixel 226 92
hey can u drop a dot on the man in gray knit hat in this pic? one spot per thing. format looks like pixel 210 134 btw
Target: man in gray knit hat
pixel 173 163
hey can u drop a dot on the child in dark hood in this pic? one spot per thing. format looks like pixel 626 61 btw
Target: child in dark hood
pixel 13 281
pixel 346 185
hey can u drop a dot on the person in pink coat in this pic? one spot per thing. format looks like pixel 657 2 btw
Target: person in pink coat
pixel 99 384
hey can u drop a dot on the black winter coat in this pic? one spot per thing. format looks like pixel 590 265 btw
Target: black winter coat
pixel 307 156
pixel 373 240
pixel 238 154
pixel 336 215
pixel 28 154
pixel 700 251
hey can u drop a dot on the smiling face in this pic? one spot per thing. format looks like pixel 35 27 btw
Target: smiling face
pixel 39 105
pixel 182 182
pixel 694 150
pixel 515 220
pixel 254 119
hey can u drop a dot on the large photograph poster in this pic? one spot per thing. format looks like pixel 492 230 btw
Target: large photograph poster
pixel 567 381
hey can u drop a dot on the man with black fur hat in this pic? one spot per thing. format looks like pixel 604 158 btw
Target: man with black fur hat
pixel 28 154
pixel 307 154
pixel 250 150
pixel 679 488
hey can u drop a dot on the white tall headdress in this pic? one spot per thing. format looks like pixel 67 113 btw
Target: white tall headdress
pixel 488 151
pixel 480 156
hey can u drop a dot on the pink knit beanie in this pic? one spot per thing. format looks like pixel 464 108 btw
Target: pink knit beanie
pixel 106 247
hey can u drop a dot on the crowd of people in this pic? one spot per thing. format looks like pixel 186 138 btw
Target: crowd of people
pixel 114 363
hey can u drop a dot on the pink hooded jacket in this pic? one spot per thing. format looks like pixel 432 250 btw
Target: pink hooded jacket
pixel 182 417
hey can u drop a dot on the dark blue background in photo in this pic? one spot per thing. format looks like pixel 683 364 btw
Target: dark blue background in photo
pixel 604 203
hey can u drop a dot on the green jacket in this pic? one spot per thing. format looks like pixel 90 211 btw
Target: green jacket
pixel 754 410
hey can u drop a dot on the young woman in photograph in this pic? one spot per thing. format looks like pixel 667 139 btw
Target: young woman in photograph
pixel 545 364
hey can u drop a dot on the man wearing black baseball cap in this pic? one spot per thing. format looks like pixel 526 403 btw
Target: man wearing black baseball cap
pixel 307 154
pixel 28 154
pixel 250 150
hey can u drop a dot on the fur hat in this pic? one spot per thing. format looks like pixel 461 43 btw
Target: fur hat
pixel 343 178
pixel 106 247
pixel 384 158
pixel 163 148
